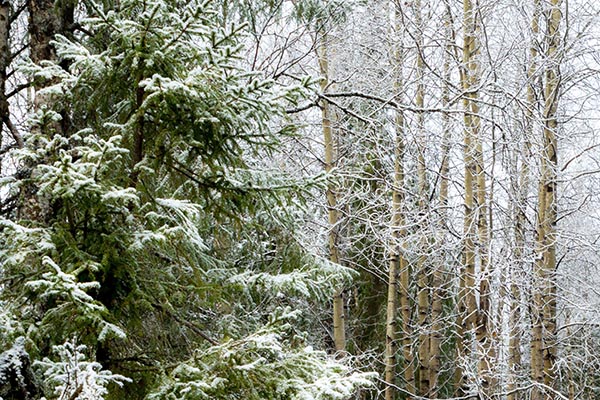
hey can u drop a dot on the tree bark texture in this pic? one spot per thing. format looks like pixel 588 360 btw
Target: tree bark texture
pixel 339 325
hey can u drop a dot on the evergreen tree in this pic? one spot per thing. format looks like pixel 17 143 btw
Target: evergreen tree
pixel 166 249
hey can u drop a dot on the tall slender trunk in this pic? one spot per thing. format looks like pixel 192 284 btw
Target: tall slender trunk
pixel 397 260
pixel 475 165
pixel 339 326
pixel 437 293
pixel 545 266
pixel 478 318
pixel 515 278
pixel 422 269
pixel 552 94
pixel 486 347
pixel 392 295
pixel 402 265
pixel 467 300
pixel 514 350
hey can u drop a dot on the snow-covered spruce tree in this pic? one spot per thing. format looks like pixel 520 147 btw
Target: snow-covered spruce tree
pixel 168 249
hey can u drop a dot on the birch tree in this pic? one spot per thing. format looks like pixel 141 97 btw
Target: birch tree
pixel 339 325
pixel 544 346
pixel 399 275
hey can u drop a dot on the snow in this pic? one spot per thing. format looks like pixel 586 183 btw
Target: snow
pixel 73 377
pixel 58 283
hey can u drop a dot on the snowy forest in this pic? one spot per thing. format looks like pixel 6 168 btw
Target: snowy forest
pixel 299 199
